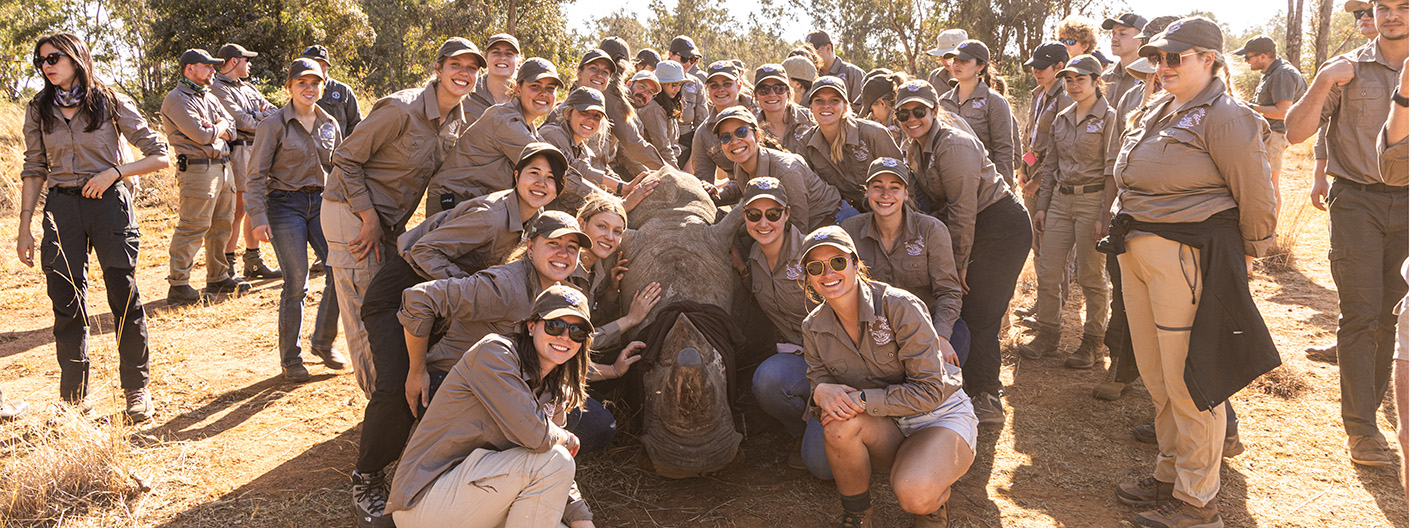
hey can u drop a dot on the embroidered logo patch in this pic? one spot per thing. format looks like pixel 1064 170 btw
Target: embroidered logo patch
pixel 595 96
pixel 978 103
pixel 573 297
pixel 889 162
pixel 913 88
pixel 1095 127
pixel 763 183
pixel 792 271
pixel 326 131
pixel 861 153
pixel 819 235
pixel 916 247
pixel 336 95
pixel 1192 118
pixel 882 334
pixel 689 87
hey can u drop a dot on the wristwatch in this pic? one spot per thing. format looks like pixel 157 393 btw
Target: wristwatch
pixel 863 398
pixel 1401 100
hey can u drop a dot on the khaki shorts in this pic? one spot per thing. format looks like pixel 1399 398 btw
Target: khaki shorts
pixel 1275 150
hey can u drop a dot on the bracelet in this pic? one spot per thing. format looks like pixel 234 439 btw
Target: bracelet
pixel 1399 99
pixel 620 188
pixel 120 172
pixel 615 371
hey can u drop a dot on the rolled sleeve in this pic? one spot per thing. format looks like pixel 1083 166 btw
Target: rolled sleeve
pixel 36 164
pixel 268 137
pixel 379 129
pixel 918 351
pixel 133 126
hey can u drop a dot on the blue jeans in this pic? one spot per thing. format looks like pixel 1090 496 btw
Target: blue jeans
pixel 845 211
pixel 593 424
pixel 782 391
pixel 294 226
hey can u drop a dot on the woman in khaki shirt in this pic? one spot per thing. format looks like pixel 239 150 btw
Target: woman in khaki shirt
pixel 738 137
pixel 879 102
pixel 841 146
pixel 74 129
pixel 577 127
pixel 723 92
pixel 781 120
pixel 886 389
pixel 986 110
pixel 289 162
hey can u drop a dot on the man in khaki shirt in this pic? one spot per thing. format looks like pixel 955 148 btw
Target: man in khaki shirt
pixel 245 104
pixel 1368 223
pixel 1125 32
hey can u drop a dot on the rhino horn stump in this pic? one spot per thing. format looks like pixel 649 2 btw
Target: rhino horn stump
pixel 688 430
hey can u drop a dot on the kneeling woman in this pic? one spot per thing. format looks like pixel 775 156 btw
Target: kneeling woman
pixel 886 389
pixel 493 448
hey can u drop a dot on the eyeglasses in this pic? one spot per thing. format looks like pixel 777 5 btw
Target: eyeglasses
pixel 772 214
pixel 767 89
pixel 557 327
pixel 741 133
pixel 51 59
pixel 1172 60
pixel 815 268
pixel 904 115
pixel 1362 13
pixel 1068 41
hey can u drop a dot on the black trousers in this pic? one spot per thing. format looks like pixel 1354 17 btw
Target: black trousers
pixel 108 225
pixel 1002 242
pixel 387 422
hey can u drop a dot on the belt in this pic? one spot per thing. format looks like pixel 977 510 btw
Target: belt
pixel 1075 189
pixel 241 142
pixel 1373 187
pixel 75 191
pixel 207 161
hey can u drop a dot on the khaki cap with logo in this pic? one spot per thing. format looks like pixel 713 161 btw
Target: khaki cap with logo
pixel 722 67
pixel 586 98
pixel 685 47
pixel 1185 34
pixel 596 54
pixel 739 113
pixel 304 66
pixel 555 224
pixel 1083 65
pixel 1141 69
pixel 558 163
pixel 801 68
pixel 916 90
pixel 771 71
pixel 946 42
pixel 827 82
pixel 561 301
pixel 1356 5
pixel 830 235
pixel 1261 44
pixel 456 46
pixel 646 75
pixel 763 187
pixel 537 68
pixel 231 51
pixel 886 165
pixel 1156 27
pixel 503 37
pixel 970 50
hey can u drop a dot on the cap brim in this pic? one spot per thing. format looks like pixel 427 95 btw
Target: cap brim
pixel 544 75
pixel 925 101
pixel 777 77
pixel 777 199
pixel 594 106
pixel 314 72
pixel 875 175
pixel 815 91
pixel 720 73
pixel 940 52
pixel 1355 5
pixel 1141 66
pixel 716 129
pixel 566 231
pixel 839 245
pixel 1039 64
pixel 1164 45
pixel 566 311
pixel 505 40
pixel 459 53
pixel 1075 70
pixel 669 81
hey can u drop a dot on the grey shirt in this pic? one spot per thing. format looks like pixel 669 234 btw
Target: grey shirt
pixel 812 202
pixel 1355 112
pixel 1084 149
pixel 484 159
pixel 863 142
pixel 950 167
pixel 243 102
pixel 989 115
pixel 341 103
pixel 1280 82
pixel 474 235
pixel 920 261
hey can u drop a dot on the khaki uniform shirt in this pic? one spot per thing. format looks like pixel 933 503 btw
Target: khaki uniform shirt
pixel 474 235
pixel 1117 80
pixel 585 172
pixel 1129 102
pixel 189 120
pixel 610 333
pixel 479 100
pixel 812 203
pixel 989 115
pixel 286 157
pixel 341 103
pixel 484 159
pixel 896 363
pixel 1204 158
pixel 863 142
pixel 661 131
pixel 484 403
pixel 940 80
pixel 777 289
pixel 798 120
pixel 706 148
pixel 1280 82
pixel 693 103
pixel 386 165
pixel 1084 150
pixel 67 154
pixel 1044 106
pixel 1355 112
pixel 920 261
pixel 636 153
pixel 951 168
pixel 243 102
pixel 851 75
pixel 1392 159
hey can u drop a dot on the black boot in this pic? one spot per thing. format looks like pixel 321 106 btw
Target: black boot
pixel 255 267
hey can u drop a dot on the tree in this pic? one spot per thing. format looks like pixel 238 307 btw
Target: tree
pixel 1321 33
pixel 22 22
pixel 1294 32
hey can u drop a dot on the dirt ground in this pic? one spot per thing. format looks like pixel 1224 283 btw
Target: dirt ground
pixel 238 446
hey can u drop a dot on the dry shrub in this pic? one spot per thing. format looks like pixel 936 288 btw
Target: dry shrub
pixel 52 471
pixel 1282 382
pixel 1287 234
pixel 12 150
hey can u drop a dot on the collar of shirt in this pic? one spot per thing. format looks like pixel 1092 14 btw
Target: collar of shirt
pixel 982 91
pixel 226 79
pixel 1370 52
pixel 1099 108
pixel 1275 67
pixel 321 116
pixel 1155 113
pixel 831 325
pixel 838 66
pixel 433 111
pixel 789 252
pixel 908 232
pixel 850 136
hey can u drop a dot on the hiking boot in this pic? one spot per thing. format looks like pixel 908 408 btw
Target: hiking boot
pixel 1029 322
pixel 229 285
pixel 988 408
pixel 332 358
pixel 1145 492
pixel 297 373
pixel 369 500
pixel 317 267
pixel 1370 451
pixel 1146 433
pixel 936 519
pixel 862 519
pixel 139 406
pixel 1024 311
pixel 1110 390
pixel 13 410
pixel 1323 353
pixel 1090 349
pixel 1178 514
pixel 1233 446
pixel 182 294
pixel 1044 343
pixel 255 267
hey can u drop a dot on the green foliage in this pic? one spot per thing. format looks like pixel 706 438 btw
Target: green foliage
pixel 22 22
pixel 709 23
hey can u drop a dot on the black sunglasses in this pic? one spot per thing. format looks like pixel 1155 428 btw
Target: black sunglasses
pixel 904 116
pixel 1362 13
pixel 52 58
pixel 766 89
pixel 1172 59
pixel 1068 41
pixel 741 133
pixel 557 327
pixel 772 214
pixel 815 268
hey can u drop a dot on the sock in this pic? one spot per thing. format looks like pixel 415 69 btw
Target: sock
pixel 252 250
pixel 857 503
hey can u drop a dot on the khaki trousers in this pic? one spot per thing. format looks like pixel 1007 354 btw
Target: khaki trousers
pixel 351 278
pixel 1160 279
pixel 240 165
pixel 490 489
pixel 205 211
pixel 1068 230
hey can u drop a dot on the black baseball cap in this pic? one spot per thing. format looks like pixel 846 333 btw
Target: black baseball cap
pixel 616 47
pixel 1132 20
pixel 1156 26
pixel 585 98
pixel 554 224
pixel 316 52
pixel 1261 44
pixel 1185 34
pixel 649 57
pixel 537 68
pixel 196 56
pixel 971 50
pixel 684 46
pixel 1048 54
pixel 819 39
pixel 231 51
pixel 763 187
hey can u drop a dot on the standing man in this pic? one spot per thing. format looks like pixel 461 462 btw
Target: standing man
pixel 1280 86
pixel 198 128
pixel 1367 219
pixel 338 99
pixel 833 65
pixel 693 93
pixel 245 104
pixel 946 42
pixel 1123 41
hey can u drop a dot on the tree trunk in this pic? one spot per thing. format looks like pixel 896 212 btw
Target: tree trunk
pixel 1294 34
pixel 512 16
pixel 1321 33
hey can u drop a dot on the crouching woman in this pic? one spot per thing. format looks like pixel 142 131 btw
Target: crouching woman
pixel 886 389
pixel 492 449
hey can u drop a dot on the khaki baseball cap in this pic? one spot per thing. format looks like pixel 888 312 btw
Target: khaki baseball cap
pixel 763 187
pixel 456 46
pixel 830 235
pixel 1185 34
pixel 503 37
pixel 555 224
pixel 886 165
pixel 1356 5
pixel 771 71
pixel 946 42
pixel 616 47
pixel 560 301
pixel 801 68
pixel 646 75
pixel 740 113
pixel 231 51
pixel 596 54
pixel 1083 65
pixel 916 90
pixel 537 68
pixel 304 66
pixel 722 67
pixel 585 98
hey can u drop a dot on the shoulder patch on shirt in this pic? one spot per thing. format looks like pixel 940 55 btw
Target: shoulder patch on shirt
pixel 791 271
pixel 916 247
pixel 882 333
pixel 336 94
pixel 1192 118
pixel 689 87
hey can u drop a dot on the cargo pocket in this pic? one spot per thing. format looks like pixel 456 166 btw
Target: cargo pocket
pixel 202 184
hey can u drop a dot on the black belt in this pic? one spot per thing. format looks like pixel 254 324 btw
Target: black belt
pixel 1373 187
pixel 75 191
pixel 241 142
pixel 207 161
pixel 1075 189
pixel 310 189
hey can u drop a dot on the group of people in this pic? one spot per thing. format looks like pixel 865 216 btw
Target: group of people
pixel 882 224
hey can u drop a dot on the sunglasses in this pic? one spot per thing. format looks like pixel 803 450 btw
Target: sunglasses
pixel 1362 13
pixel 742 133
pixel 557 327
pixel 1068 41
pixel 815 268
pixel 1172 60
pixel 772 214
pixel 51 59
pixel 777 89
pixel 904 116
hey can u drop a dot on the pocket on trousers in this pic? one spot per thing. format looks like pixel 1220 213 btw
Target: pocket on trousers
pixel 204 184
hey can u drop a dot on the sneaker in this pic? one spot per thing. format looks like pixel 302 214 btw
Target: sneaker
pixel 332 358
pixel 863 519
pixel 255 267
pixel 139 406
pixel 1370 451
pixel 369 500
pixel 988 409
pixel 936 519
pixel 1323 353
pixel 317 267
pixel 182 294
pixel 297 373
pixel 1145 492
pixel 1233 446
pixel 13 410
pixel 1178 514
pixel 1146 433
pixel 1110 390
pixel 229 285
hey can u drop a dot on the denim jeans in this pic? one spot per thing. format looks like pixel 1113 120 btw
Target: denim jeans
pixel 593 424
pixel 294 227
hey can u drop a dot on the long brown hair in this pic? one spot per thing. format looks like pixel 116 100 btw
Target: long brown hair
pixel 98 98
pixel 566 384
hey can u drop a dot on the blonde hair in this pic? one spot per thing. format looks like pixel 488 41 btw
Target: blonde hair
pixel 1080 28
pixel 598 203
pixel 836 146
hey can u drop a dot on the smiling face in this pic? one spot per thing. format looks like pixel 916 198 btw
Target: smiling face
pixel 535 184
pixel 642 92
pixel 458 74
pixel 773 95
pixel 828 107
pixel 1079 87
pixel 554 258
pixel 739 149
pixel 1391 19
pixel 555 350
pixel 764 231
pixel 832 285
pixel 537 98
pixel 915 127
pixel 503 59
pixel 605 231
pixel 1123 40
pixel 584 125
pixel 305 91
pixel 596 74
pixel 886 194
pixel 723 91
pixel 62 73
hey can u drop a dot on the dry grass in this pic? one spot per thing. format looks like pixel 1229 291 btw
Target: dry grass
pixel 62 469
pixel 1284 382
pixel 1293 225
